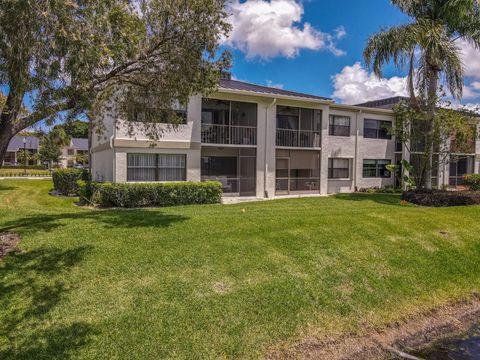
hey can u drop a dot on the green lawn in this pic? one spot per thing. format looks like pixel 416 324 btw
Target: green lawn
pixel 221 281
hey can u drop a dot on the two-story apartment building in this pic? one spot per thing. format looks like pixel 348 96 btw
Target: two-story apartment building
pixel 258 141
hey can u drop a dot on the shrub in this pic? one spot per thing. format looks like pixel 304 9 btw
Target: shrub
pixel 29 167
pixel 153 194
pixel 381 190
pixel 472 181
pixel 85 189
pixel 65 180
pixel 438 198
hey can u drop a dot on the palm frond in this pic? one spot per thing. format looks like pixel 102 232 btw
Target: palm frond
pixel 394 44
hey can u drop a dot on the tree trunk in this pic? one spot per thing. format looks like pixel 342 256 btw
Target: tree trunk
pixel 6 134
pixel 9 125
pixel 429 140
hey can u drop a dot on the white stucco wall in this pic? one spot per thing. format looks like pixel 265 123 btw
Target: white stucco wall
pixel 373 149
pixel 102 165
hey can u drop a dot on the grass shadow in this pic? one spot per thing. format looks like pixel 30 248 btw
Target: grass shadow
pixel 109 219
pixel 29 292
pixel 384 199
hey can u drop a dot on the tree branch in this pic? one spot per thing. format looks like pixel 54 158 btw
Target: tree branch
pixel 33 118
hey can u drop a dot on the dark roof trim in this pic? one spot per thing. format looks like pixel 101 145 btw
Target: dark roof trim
pixel 259 89
pixel 387 103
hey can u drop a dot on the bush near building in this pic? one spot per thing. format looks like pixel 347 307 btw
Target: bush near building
pixel 153 194
pixel 472 181
pixel 65 180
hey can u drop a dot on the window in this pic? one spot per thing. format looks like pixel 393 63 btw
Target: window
pixel 376 168
pixel 377 129
pixel 398 146
pixel 71 152
pixel 339 125
pixel 156 167
pixel 338 168
pixel 288 117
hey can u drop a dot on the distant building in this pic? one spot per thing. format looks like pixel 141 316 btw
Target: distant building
pixel 32 144
pixel 71 152
pixel 16 145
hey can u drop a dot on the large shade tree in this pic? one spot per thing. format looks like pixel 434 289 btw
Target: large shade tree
pixel 428 46
pixel 59 58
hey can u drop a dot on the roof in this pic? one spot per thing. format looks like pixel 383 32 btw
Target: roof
pixel 80 144
pixel 387 103
pixel 17 143
pixel 229 84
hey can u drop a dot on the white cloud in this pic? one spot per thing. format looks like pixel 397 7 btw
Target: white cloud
pixel 472 90
pixel 271 84
pixel 354 85
pixel 270 28
pixel 470 58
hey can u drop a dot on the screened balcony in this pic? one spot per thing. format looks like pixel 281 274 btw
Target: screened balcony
pixel 234 168
pixel 298 127
pixel 229 122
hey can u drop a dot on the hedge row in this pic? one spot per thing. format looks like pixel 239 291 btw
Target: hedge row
pixel 29 174
pixel 437 198
pixel 152 194
pixel 29 167
pixel 65 180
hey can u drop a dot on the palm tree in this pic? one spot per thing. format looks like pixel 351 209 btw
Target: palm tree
pixel 428 46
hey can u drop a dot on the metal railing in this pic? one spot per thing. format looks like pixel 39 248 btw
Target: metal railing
pixel 290 185
pixel 237 186
pixel 298 138
pixel 229 134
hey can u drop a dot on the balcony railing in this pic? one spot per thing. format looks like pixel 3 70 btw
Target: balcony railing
pixel 229 134
pixel 298 138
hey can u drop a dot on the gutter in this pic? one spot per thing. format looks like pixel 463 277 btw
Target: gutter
pixel 265 149
pixel 114 160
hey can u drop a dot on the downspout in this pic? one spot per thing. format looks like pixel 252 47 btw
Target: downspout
pixel 356 150
pixel 265 170
pixel 114 169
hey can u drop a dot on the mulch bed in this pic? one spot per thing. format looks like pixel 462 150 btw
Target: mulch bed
pixel 8 243
pixel 437 198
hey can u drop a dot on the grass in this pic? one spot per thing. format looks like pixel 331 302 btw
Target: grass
pixel 21 172
pixel 234 281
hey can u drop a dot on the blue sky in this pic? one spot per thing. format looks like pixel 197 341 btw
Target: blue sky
pixel 314 46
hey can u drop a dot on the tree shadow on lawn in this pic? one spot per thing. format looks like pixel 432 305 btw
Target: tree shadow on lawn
pixel 384 199
pixel 29 292
pixel 5 188
pixel 109 218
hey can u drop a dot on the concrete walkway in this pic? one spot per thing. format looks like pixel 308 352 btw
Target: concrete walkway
pixel 228 200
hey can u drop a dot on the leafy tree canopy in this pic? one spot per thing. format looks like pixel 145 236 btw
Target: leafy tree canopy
pixel 75 129
pixel 65 56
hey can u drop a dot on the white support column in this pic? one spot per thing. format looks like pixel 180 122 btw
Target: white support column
pixel 261 149
pixel 324 152
pixel 270 149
